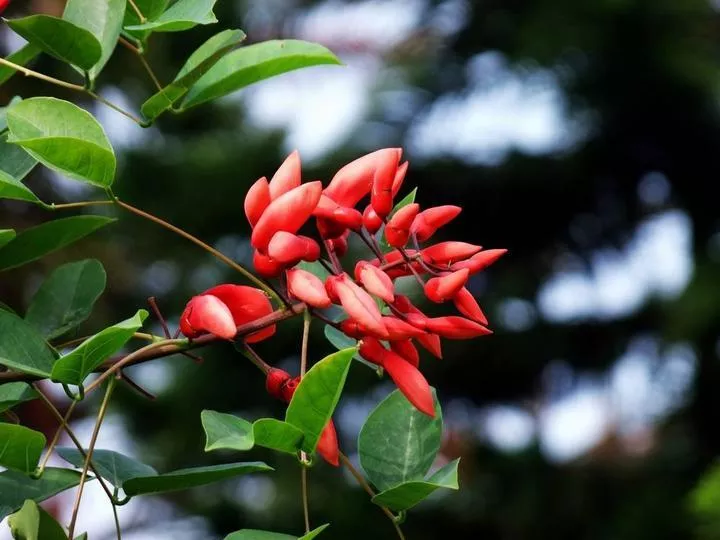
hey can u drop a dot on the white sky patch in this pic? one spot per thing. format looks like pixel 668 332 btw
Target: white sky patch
pixel 508 428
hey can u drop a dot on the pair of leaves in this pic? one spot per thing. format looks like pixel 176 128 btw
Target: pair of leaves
pixel 20 447
pixel 254 534
pixel 228 432
pixel 15 164
pixel 17 487
pixel 31 522
pixel 182 15
pixel 136 478
pixel 397 446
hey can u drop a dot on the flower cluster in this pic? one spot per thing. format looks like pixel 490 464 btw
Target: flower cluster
pixel 388 325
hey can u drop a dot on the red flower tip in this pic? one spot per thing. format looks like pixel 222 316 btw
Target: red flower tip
pixel 440 289
pixel 307 288
pixel 381 197
pixel 274 381
pixel 287 176
pixel 467 305
pixel 207 314
pixel 397 230
pixel 372 350
pixel 399 178
pixel 446 253
pixel 375 281
pixel 352 329
pixel 352 182
pixel 287 390
pixel 407 350
pixel 358 304
pixel 398 329
pixel 480 260
pixel 429 221
pixel 454 327
pixel 246 304
pixel 410 382
pixel 327 445
pixel 257 200
pixel 288 249
pixel 266 266
pixel 371 221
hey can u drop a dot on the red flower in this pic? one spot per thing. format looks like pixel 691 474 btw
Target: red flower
pixel 289 249
pixel 306 287
pixel 443 288
pixel 397 230
pixel 207 314
pixel 375 281
pixel 246 304
pixel 257 200
pixel 287 177
pixel 430 220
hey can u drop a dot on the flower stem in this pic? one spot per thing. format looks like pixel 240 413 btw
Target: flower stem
pixel 56 437
pixel 81 204
pixel 307 319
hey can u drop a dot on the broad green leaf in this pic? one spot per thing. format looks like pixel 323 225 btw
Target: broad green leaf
pixel 64 137
pixel 409 494
pixel 182 15
pixel 16 392
pixel 78 364
pixel 103 19
pixel 226 431
pixel 6 235
pixel 16 487
pixel 196 66
pixel 151 10
pixel 189 478
pixel 22 348
pixel 22 57
pixel 15 164
pixel 408 199
pixel 398 443
pixel 316 396
pixel 66 298
pixel 254 534
pixel 315 268
pixel 3 111
pixel 31 244
pixel 341 341
pixel 31 522
pixel 114 467
pixel 10 188
pixel 255 63
pixel 62 39
pixel 20 447
pixel 277 435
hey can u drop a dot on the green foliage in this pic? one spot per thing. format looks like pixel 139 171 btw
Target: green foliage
pixel 151 9
pixel 33 243
pixel 60 38
pixel 398 443
pixel 64 137
pixel 78 364
pixel 258 62
pixel 20 447
pixel 66 297
pixel 316 396
pixel 254 534
pixel 182 15
pixel 13 393
pixel 31 522
pixel 15 164
pixel 6 235
pixel 16 487
pixel 114 467
pixel 22 57
pixel 228 432
pixel 205 57
pixel 406 495
pixel 342 341
pixel 22 348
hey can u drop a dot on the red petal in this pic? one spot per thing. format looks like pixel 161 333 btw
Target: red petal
pixel 257 200
pixel 448 252
pixel 274 381
pixel 266 266
pixel 288 249
pixel 359 305
pixel 327 445
pixel 400 330
pixel 481 260
pixel 371 221
pixel 456 327
pixel 467 305
pixel 410 382
pixel 208 314
pixel 287 176
pixel 308 288
pixel 407 350
pixel 246 304
pixel 354 180
pixel 381 197
pixel 432 219
pixel 440 289
pixel 399 178
pixel 375 281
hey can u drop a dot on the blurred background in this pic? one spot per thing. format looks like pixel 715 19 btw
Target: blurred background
pixel 582 136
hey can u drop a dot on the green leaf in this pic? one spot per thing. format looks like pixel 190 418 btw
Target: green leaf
pixel 341 341
pixel 64 137
pixel 22 348
pixel 398 443
pixel 6 235
pixel 151 9
pixel 408 199
pixel 78 364
pixel 20 447
pixel 114 467
pixel 255 63
pixel 409 494
pixel 62 39
pixel 10 188
pixel 228 432
pixel 31 244
pixel 316 396
pixel 315 268
pixel 103 19
pixel 66 298
pixel 16 487
pixel 31 522
pixel 182 15
pixel 254 534
pixel 16 392
pixel 189 478
pixel 15 164
pixel 205 57
pixel 22 57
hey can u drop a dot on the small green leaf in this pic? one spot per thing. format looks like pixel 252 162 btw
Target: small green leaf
pixel 255 63
pixel 341 341
pixel 277 435
pixel 315 268
pixel 189 478
pixel 6 235
pixel 22 57
pixel 64 137
pixel 205 57
pixel 408 199
pixel 254 534
pixel 10 188
pixel 20 447
pixel 226 432
pixel 16 392
pixel 62 39
pixel 78 364
pixel 316 396
pixel 66 298
pixel 16 487
pixel 31 244
pixel 398 443
pixel 409 494
pixel 114 467
pixel 151 9
pixel 103 19
pixel 15 164
pixel 22 348
pixel 31 522
pixel 182 15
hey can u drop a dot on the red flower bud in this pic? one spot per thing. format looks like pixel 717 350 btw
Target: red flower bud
pixel 352 329
pixel 399 178
pixel 289 249
pixel 257 200
pixel 246 304
pixel 417 318
pixel 456 327
pixel 358 304
pixel 354 180
pixel 274 381
pixel 410 382
pixel 266 266
pixel 308 288
pixel 381 198
pixel 287 177
pixel 372 350
pixel 339 245
pixel 446 253
pixel 207 314
pixel 480 260
pixel 342 216
pixel 397 230
pixel 430 220
pixel 467 305
pixel 371 221
pixel 327 445
pixel 286 213
pixel 407 350
pixel 375 281
pixel 330 229
pixel 287 390
pixel 398 329
pixel 440 289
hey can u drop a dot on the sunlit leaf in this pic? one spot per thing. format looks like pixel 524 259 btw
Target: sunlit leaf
pixel 22 57
pixel 20 447
pixel 16 392
pixel 22 348
pixel 6 235
pixel 15 164
pixel 229 432
pixel 151 9
pixel 277 435
pixel 32 522
pixel 114 467
pixel 408 494
pixel 182 15
pixel 16 487
pixel 254 534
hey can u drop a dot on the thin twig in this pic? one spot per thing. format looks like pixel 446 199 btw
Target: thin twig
pixel 333 258
pixel 306 510
pixel 254 357
pixel 137 335
pixel 307 319
pixel 137 11
pixel 115 107
pixel 56 437
pixel 143 61
pixel 81 204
